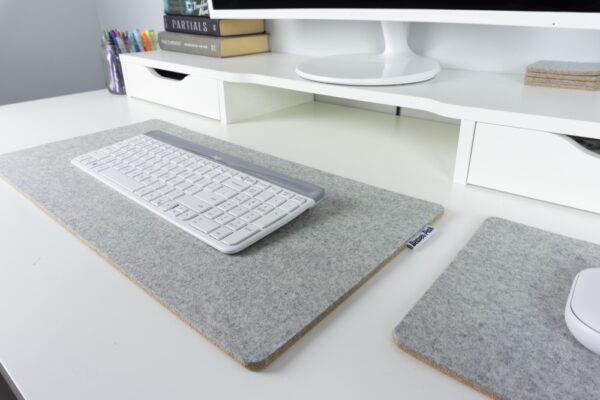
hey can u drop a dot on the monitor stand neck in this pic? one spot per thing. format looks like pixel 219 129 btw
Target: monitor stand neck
pixel 396 65
pixel 395 38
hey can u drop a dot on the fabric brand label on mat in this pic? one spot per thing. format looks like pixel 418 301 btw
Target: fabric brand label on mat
pixel 421 237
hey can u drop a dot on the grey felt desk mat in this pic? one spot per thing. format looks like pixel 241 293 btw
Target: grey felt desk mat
pixel 252 305
pixel 495 318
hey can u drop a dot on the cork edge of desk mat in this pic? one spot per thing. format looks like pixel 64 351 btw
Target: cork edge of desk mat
pixel 445 371
pixel 250 366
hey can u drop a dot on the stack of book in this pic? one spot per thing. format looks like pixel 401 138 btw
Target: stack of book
pixel 562 74
pixel 189 29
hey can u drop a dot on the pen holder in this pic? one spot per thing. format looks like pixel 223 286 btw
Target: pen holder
pixel 113 73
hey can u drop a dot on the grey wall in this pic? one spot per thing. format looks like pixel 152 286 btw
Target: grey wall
pixel 49 48
pixel 131 14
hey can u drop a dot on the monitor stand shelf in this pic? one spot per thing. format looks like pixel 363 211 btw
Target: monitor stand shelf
pixel 234 89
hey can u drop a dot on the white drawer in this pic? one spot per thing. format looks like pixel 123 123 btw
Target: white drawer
pixel 185 92
pixel 535 164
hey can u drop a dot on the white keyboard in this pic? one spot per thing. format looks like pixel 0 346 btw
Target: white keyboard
pixel 226 202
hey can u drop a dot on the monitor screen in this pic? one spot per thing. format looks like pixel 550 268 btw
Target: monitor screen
pixel 489 5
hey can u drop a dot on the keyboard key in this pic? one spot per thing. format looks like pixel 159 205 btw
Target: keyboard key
pixel 167 189
pixel 264 208
pixel 226 192
pixel 269 219
pixel 213 187
pixel 262 185
pixel 160 201
pixel 177 210
pixel 220 178
pixel 236 224
pixel 176 181
pixel 189 214
pixel 224 219
pixel 253 191
pixel 158 185
pixel 236 184
pixel 299 200
pixel 211 198
pixel 228 205
pixel 204 224
pixel 286 194
pixel 152 196
pixel 221 233
pixel 264 196
pixel 241 235
pixel 213 213
pixel 203 181
pixel 168 205
pixel 143 191
pixel 289 206
pixel 193 189
pixel 274 190
pixel 184 185
pixel 276 201
pixel 193 202
pixel 238 211
pixel 251 216
pixel 212 174
pixel 122 180
pixel 241 198
pixel 252 203
pixel 175 194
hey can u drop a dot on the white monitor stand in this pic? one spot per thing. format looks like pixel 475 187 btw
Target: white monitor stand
pixel 396 65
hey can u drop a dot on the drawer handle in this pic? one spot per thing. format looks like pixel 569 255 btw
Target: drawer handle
pixel 580 147
pixel 176 76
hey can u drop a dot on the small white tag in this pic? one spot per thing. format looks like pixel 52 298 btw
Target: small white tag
pixel 421 237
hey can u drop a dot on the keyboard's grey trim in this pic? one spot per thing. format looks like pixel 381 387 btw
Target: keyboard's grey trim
pixel 296 185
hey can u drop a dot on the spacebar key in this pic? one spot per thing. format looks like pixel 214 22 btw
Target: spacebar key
pixel 121 179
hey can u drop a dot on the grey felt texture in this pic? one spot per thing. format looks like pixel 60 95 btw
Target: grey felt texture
pixel 565 67
pixel 495 318
pixel 254 304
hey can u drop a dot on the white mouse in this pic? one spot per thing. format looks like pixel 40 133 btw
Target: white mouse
pixel 582 312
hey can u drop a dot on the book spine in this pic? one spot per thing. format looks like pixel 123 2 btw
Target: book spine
pixel 186 7
pixel 191 44
pixel 192 25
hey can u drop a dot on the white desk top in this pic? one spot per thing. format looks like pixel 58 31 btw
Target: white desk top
pixel 73 327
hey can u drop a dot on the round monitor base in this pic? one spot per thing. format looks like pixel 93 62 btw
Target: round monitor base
pixel 369 69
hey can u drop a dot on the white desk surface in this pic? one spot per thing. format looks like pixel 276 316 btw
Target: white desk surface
pixel 72 327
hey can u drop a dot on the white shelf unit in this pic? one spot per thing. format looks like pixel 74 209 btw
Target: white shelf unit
pixel 234 89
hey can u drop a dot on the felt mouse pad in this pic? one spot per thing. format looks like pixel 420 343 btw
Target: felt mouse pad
pixel 252 305
pixel 495 318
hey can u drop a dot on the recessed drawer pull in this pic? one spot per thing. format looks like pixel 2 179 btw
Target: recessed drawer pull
pixel 579 143
pixel 176 76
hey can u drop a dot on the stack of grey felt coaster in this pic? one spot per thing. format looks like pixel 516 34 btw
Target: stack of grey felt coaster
pixel 495 318
pixel 252 305
pixel 562 74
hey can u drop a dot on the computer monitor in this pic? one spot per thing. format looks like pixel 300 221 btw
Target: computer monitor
pixel 397 64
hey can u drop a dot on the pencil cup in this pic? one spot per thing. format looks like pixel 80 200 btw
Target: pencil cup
pixel 113 73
